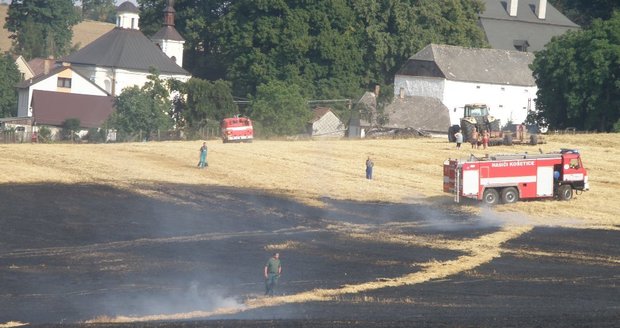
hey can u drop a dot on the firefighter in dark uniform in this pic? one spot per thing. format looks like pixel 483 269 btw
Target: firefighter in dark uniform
pixel 273 270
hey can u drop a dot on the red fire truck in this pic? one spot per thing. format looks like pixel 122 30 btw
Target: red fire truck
pixel 237 129
pixel 510 177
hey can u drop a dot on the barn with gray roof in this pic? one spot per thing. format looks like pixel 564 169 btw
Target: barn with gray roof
pixel 457 76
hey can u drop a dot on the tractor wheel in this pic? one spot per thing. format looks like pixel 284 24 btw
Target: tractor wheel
pixel 451 132
pixel 467 130
pixel 533 139
pixel 490 196
pixel 565 192
pixel 510 195
pixel 508 139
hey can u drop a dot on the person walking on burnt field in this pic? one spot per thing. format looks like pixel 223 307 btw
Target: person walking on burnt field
pixel 369 166
pixel 273 270
pixel 203 156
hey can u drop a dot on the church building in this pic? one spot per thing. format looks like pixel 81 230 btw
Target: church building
pixel 124 56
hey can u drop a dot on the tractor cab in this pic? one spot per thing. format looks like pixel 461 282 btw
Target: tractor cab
pixel 476 110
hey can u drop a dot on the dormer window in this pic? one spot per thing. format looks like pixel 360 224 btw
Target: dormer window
pixel 521 45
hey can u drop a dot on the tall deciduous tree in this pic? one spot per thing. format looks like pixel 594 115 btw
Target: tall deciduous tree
pixel 99 10
pixel 142 111
pixel 41 28
pixel 583 12
pixel 578 78
pixel 201 101
pixel 280 109
pixel 330 49
pixel 9 77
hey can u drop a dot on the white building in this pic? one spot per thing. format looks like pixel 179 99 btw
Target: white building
pixel 457 76
pixel 63 79
pixel 124 56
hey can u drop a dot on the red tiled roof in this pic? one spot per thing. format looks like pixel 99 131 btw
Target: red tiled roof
pixel 53 108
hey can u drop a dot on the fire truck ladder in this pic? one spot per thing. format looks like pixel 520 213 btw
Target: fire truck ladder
pixel 457 184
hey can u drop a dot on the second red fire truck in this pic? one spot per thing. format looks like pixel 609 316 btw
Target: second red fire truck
pixel 237 129
pixel 510 177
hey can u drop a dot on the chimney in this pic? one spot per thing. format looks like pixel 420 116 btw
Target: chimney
pixel 541 9
pixel 47 64
pixel 377 89
pixel 401 94
pixel 512 7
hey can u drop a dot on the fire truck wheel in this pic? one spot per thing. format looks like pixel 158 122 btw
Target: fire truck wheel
pixel 490 196
pixel 510 195
pixel 565 192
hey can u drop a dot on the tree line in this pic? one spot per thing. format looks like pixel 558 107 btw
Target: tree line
pixel 279 54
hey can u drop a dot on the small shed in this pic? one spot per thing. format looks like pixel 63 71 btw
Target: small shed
pixel 325 124
pixel 426 114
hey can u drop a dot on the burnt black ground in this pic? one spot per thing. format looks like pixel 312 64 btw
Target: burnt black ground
pixel 71 253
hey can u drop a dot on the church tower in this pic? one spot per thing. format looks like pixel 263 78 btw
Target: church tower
pixel 168 39
pixel 127 16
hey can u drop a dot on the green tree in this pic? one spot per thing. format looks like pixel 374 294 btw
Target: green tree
pixel 583 12
pixel 280 109
pixel 41 28
pixel 9 77
pixel 140 112
pixel 204 100
pixel 578 78
pixel 70 128
pixel 99 10
pixel 330 49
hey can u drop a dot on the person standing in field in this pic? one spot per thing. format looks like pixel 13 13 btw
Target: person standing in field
pixel 459 139
pixel 273 270
pixel 485 139
pixel 203 156
pixel 369 166
pixel 474 139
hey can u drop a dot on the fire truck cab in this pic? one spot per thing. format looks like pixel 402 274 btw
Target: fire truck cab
pixel 510 177
pixel 237 129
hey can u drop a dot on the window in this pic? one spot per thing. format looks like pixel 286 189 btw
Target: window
pixel 574 163
pixel 521 45
pixel 64 82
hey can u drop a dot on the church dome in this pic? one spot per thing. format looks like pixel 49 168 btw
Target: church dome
pixel 127 7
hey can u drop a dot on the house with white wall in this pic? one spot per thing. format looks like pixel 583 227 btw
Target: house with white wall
pixel 63 79
pixel 24 69
pixel 124 56
pixel 457 76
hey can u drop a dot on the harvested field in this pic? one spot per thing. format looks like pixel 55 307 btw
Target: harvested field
pixel 120 233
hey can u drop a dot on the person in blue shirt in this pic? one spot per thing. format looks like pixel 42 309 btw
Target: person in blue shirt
pixel 203 156
pixel 369 166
